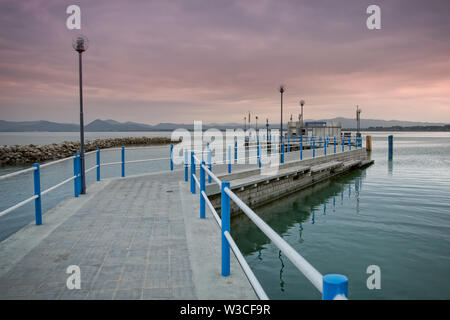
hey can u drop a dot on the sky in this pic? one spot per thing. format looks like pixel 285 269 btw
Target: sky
pixel 185 60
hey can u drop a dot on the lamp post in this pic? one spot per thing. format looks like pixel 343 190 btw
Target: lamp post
pixel 358 121
pixel 256 124
pixel 302 103
pixel 267 130
pixel 80 44
pixel 281 119
pixel 245 124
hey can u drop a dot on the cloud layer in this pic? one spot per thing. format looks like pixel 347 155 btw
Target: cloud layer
pixel 185 60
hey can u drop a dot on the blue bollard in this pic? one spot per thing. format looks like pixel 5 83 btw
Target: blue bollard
pixel 259 155
pixel 314 146
pixel 229 159
pixel 186 169
pixel 123 162
pixel 235 152
pixel 171 157
pixel 391 145
pixel 301 148
pixel 334 286
pixel 37 192
pixel 98 164
pixel 324 146
pixel 225 215
pixel 192 173
pixel 75 173
pixel 335 144
pixel 202 188
pixel 349 143
pixel 282 150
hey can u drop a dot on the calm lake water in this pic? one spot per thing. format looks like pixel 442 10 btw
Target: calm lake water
pixel 394 214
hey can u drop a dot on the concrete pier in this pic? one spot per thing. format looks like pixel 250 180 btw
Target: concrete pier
pixel 138 237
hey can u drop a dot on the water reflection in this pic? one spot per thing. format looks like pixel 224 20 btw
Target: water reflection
pixel 281 271
pixel 296 209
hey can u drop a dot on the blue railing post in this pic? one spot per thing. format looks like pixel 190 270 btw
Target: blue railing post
pixel 76 172
pixel 225 215
pixel 314 146
pixel 289 145
pixel 259 155
pixel 325 146
pixel 282 150
pixel 334 144
pixel 334 286
pixel 229 159
pixel 209 165
pixel 171 157
pixel 123 161
pixel 37 192
pixel 202 188
pixel 192 173
pixel 98 164
pixel 301 148
pixel 186 169
pixel 349 143
pixel 390 146
pixel 235 151
pixel 342 143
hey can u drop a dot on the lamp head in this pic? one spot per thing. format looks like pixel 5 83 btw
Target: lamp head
pixel 302 102
pixel 80 43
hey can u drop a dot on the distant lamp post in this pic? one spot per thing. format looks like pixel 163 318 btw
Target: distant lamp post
pixel 267 130
pixel 358 121
pixel 245 123
pixel 256 117
pixel 80 44
pixel 302 103
pixel 281 118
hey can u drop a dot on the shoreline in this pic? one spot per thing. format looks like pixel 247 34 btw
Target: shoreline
pixel 15 155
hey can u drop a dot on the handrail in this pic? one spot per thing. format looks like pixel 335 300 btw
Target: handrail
pixel 58 185
pixel 304 266
pixel 18 205
pixel 16 173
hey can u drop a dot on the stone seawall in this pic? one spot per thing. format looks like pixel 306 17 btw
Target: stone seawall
pixel 17 155
pixel 256 190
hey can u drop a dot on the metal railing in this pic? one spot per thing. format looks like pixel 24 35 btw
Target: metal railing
pixel 75 177
pixel 331 286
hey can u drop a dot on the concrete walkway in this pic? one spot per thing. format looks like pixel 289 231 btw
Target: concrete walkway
pixel 134 238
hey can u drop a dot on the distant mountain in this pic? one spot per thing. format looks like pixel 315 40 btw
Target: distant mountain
pixel 112 125
pixel 26 126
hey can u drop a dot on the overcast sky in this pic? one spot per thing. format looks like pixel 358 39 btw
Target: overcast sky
pixel 179 61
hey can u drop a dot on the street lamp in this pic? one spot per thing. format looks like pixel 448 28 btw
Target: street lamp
pixel 80 44
pixel 245 124
pixel 281 118
pixel 302 103
pixel 358 121
pixel 256 124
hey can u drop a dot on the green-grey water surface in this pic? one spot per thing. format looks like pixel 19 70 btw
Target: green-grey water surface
pixel 394 214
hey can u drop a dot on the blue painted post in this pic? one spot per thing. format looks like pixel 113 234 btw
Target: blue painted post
pixel 171 157
pixel 289 145
pixel 229 159
pixel 225 215
pixel 301 148
pixel 186 169
pixel 334 286
pixel 75 173
pixel 314 146
pixel 334 144
pixel 343 143
pixel 202 188
pixel 282 150
pixel 209 165
pixel 324 146
pixel 259 155
pixel 192 173
pixel 123 162
pixel 235 151
pixel 37 192
pixel 98 164
pixel 391 145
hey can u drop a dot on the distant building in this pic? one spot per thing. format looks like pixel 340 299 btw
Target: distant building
pixel 315 128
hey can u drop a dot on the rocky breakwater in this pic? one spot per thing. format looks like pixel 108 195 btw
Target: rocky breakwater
pixel 19 155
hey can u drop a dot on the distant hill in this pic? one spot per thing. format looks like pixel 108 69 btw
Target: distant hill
pixel 112 125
